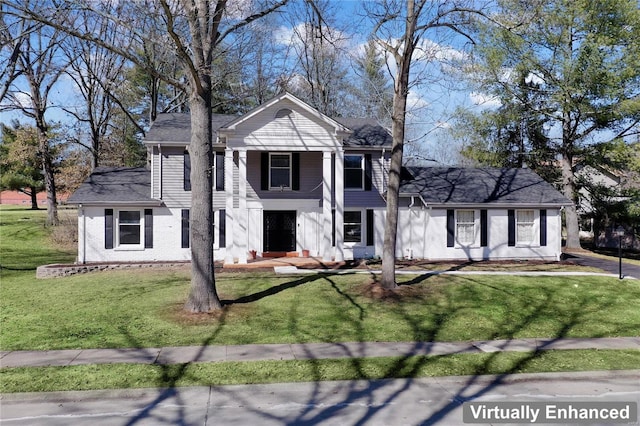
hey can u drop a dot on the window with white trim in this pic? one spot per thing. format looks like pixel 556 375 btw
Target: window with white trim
pixel 129 228
pixel 280 171
pixel 465 226
pixel 354 171
pixel 525 220
pixel 352 226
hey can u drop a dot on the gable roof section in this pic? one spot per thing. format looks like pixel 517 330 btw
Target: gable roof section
pixel 339 128
pixel 116 185
pixel 175 128
pixel 468 186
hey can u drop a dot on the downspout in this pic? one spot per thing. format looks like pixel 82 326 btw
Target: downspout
pixel 413 201
pixel 160 171
pixel 384 177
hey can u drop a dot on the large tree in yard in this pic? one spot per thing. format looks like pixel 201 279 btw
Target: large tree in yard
pixel 400 28
pixel 31 54
pixel 197 30
pixel 581 63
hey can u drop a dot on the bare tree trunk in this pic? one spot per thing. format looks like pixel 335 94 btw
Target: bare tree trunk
pixel 47 171
pixel 202 296
pixel 34 198
pixel 570 212
pixel 401 90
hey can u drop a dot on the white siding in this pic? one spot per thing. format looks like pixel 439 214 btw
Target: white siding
pixel 166 241
pixel 301 131
pixel 423 233
pixel 173 193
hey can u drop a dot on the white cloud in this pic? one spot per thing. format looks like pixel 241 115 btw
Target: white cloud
pixel 416 102
pixel 428 50
pixel 485 100
pixel 534 78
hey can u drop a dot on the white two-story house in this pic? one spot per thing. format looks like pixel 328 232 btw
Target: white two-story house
pixel 289 180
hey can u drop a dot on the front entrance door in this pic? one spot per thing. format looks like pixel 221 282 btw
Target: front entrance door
pixel 279 231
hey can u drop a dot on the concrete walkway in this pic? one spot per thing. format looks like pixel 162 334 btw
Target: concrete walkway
pixel 301 351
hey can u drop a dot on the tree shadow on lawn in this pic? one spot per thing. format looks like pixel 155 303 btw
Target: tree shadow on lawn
pixel 371 397
pixel 168 380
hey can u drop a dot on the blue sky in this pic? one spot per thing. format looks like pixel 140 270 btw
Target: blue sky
pixel 431 102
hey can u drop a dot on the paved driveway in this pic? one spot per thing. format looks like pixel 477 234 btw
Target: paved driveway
pixel 610 266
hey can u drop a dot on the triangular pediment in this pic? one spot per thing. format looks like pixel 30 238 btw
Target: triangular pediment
pixel 284 121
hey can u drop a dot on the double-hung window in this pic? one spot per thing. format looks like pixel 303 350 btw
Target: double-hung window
pixel 280 171
pixel 465 226
pixel 354 171
pixel 525 226
pixel 129 228
pixel 352 226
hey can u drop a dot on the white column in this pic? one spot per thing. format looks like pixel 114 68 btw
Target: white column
pixel 230 216
pixel 326 206
pixel 242 230
pixel 339 194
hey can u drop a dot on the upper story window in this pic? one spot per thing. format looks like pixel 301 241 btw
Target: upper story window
pixel 354 171
pixel 280 171
pixel 465 226
pixel 525 226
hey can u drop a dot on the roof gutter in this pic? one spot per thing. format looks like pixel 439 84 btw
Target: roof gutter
pixel 89 203
pixel 498 205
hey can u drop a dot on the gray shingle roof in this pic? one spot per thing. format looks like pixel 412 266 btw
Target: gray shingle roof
pixel 115 185
pixel 176 128
pixel 456 185
pixel 366 132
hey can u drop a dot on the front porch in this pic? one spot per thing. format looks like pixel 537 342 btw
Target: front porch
pixel 272 262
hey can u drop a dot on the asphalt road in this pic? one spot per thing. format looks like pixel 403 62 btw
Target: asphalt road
pixel 381 402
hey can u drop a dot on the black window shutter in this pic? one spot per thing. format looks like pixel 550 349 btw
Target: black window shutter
pixel 295 171
pixel 264 171
pixel 483 228
pixel 543 227
pixel 108 228
pixel 187 171
pixel 368 166
pixel 148 228
pixel 451 228
pixel 185 228
pixel 219 171
pixel 370 241
pixel 511 238
pixel 222 237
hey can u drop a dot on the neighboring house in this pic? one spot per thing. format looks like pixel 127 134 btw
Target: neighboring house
pixel 288 179
pixel 20 198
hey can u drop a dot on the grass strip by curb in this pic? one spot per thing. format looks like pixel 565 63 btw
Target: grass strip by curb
pixel 122 376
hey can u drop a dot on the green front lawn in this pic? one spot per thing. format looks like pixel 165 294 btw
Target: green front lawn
pixel 143 308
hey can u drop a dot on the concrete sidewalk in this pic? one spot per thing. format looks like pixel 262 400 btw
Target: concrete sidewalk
pixel 300 351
